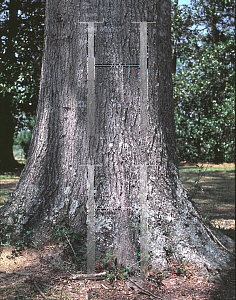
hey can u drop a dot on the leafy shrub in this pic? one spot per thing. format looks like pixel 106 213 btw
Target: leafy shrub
pixel 23 139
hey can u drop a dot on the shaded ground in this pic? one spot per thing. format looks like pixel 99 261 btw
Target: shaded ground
pixel 214 195
pixel 34 273
pixel 47 271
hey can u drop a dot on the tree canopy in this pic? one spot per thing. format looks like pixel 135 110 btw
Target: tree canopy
pixel 20 73
pixel 204 84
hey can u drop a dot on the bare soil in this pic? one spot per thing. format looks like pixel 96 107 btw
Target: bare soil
pixel 46 273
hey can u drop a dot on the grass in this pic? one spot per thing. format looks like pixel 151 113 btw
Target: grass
pixel 7 186
pixel 215 194
pixel 9 180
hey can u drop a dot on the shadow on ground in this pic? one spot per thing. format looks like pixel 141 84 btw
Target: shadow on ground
pixel 225 288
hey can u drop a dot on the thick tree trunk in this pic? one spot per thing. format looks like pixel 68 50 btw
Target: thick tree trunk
pixel 122 159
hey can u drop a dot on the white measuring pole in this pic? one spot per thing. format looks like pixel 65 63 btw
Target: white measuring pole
pixel 143 134
pixel 143 79
pixel 91 82
pixel 90 221
pixel 143 220
pixel 90 133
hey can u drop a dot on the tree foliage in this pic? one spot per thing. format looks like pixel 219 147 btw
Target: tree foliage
pixel 204 84
pixel 20 73
pixel 23 138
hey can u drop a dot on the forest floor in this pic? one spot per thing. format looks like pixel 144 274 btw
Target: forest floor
pixel 47 273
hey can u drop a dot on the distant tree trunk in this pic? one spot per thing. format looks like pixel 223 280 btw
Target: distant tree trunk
pixel 7 126
pixel 7 129
pixel 122 150
pixel 214 30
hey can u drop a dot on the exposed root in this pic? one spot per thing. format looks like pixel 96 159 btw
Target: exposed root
pixel 41 293
pixel 217 241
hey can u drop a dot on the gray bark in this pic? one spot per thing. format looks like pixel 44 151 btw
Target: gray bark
pixel 53 187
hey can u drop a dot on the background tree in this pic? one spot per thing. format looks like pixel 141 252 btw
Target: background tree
pixel 204 86
pixel 53 185
pixel 6 120
pixel 23 138
pixel 21 47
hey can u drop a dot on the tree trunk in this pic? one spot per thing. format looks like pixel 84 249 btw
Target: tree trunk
pixel 214 30
pixel 113 147
pixel 7 126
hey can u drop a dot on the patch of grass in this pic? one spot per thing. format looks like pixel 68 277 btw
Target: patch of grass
pixel 218 187
pixel 215 194
pixel 191 167
pixel 8 177
pixel 21 161
pixel 7 186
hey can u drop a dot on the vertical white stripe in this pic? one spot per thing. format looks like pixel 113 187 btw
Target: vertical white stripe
pixel 91 82
pixel 90 221
pixel 143 78
pixel 143 132
pixel 143 219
